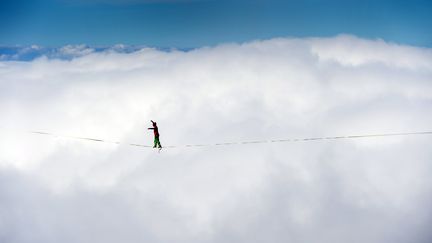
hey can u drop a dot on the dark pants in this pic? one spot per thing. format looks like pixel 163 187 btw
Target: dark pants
pixel 157 142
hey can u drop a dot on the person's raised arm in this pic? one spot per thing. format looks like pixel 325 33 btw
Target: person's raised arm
pixel 151 128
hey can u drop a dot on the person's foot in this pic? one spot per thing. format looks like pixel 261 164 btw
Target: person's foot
pixel 154 146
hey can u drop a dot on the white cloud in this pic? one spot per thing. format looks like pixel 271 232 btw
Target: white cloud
pixel 75 50
pixel 365 190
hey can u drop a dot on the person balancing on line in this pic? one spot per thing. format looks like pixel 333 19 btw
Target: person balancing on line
pixel 156 135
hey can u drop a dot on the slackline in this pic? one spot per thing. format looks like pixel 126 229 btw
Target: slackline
pixel 240 142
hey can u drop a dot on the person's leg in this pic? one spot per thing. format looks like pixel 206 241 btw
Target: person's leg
pixel 155 142
pixel 158 142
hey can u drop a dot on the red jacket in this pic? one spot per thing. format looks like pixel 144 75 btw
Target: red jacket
pixel 155 129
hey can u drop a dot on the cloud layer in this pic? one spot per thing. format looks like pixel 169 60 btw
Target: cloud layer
pixel 365 190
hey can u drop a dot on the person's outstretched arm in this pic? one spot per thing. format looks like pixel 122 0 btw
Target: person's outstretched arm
pixel 151 128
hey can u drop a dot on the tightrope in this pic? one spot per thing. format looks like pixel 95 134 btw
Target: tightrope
pixel 241 142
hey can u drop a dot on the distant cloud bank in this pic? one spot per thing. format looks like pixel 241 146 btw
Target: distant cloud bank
pixel 68 52
pixel 361 190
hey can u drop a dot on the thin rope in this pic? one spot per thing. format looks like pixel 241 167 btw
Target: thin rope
pixel 86 138
pixel 241 142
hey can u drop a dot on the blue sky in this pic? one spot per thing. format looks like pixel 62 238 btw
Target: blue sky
pixel 208 22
